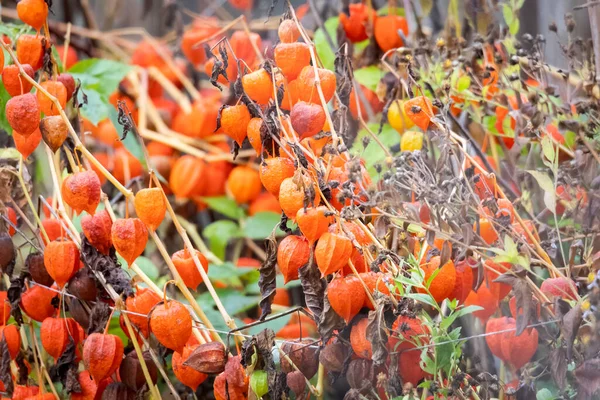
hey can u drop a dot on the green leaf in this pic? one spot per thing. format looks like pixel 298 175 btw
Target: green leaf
pixel 570 138
pixel 147 267
pixel 464 82
pixel 385 11
pixel 13 31
pixel 230 274
pixel 233 301
pixel 513 28
pixel 548 148
pixel 508 14
pixel 259 383
pixel 373 153
pixel 368 76
pixel 276 325
pixel 260 225
pixel 131 141
pixel 4 97
pixel 324 51
pixel 422 298
pixel 224 205
pixel 100 75
pixel 548 187
pixel 219 233
pixel 544 394
pixel 57 58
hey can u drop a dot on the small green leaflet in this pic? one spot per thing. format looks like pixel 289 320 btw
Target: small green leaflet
pixel 322 46
pixel 4 97
pixel 224 205
pixel 548 187
pixel 368 77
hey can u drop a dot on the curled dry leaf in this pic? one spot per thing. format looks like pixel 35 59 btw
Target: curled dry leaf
pixel 268 274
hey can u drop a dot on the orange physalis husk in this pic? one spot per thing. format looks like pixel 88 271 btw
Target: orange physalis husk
pixel 346 296
pixel 332 252
pixel 129 236
pixel 184 263
pixel 293 253
pixel 420 111
pixel 171 323
pixel 81 191
pixel 150 207
pixel 102 355
pixel 97 230
pixel 61 258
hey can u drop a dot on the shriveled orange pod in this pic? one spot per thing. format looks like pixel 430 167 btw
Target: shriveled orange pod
pixel 4 308
pixel 307 89
pixel 187 176
pixel 61 258
pixel 243 184
pixel 27 144
pixel 142 303
pixel 487 230
pixel 332 252
pixel 234 122
pixel 150 207
pixel 89 388
pixel 292 193
pixel 291 58
pixel 307 119
pixel 13 82
pixel 81 191
pixel 129 236
pixel 97 230
pixel 12 217
pixel 24 392
pixel 55 334
pixel 253 134
pixel 10 334
pixel 184 263
pixel 258 85
pixel 30 50
pixel 375 283
pixel 171 323
pixel 36 302
pixel 23 114
pixel 313 222
pixel 54 131
pixel 292 254
pixel 288 31
pixel 102 355
pixel 187 375
pixel 55 89
pixel 33 13
pixel 346 296
pixel 291 92
pixel 464 281
pixel 483 298
pixel 273 171
pixel 53 228
pixel 407 332
pixel 355 25
pixel 420 111
pixel 358 339
pixel 442 285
